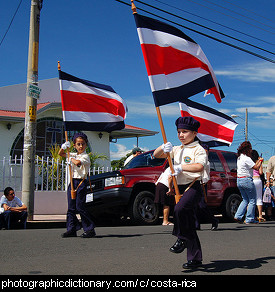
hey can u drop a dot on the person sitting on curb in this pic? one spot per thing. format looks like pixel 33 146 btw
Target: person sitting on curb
pixel 14 210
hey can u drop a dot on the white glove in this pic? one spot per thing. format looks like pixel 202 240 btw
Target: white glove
pixel 167 147
pixel 66 145
pixel 177 169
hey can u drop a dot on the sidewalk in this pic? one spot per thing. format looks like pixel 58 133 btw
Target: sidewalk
pixel 47 221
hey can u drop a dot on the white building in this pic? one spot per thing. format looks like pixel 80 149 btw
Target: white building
pixel 49 123
pixel 49 132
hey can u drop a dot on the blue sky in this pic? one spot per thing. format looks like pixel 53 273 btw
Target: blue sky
pixel 97 41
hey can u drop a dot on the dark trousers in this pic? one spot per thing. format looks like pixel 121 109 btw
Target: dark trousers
pixel 185 220
pixel 78 206
pixel 203 212
pixel 14 219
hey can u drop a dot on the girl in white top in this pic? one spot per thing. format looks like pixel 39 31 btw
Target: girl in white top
pixel 80 164
pixel 245 166
pixel 258 185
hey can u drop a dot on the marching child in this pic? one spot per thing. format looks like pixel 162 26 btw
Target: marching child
pixel 80 164
pixel 189 161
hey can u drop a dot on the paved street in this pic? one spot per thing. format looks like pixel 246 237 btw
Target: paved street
pixel 234 249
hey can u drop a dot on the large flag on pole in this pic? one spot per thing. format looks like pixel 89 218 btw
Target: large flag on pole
pixel 176 65
pixel 90 106
pixel 216 128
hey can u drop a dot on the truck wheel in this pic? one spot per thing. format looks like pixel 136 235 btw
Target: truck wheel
pixel 231 205
pixel 144 210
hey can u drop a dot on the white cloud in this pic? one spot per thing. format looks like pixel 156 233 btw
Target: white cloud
pixel 258 110
pixel 143 107
pixel 122 151
pixel 250 72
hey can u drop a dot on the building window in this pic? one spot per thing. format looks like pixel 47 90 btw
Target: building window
pixel 50 131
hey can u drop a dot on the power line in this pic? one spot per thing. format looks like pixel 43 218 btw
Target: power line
pixel 209 20
pixel 231 16
pixel 203 34
pixel 11 22
pixel 262 16
pixel 203 26
pixel 238 13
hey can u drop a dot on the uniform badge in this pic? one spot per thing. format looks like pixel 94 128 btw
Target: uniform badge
pixel 187 159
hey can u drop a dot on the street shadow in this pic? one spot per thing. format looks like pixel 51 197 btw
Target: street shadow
pixel 227 265
pixel 134 235
pixel 241 227
pixel 119 235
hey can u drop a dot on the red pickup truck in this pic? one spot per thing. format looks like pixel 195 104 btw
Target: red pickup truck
pixel 130 191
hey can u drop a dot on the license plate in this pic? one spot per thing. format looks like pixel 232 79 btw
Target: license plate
pixel 89 197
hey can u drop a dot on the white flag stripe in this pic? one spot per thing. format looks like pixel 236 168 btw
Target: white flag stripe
pixel 208 138
pixel 208 116
pixel 176 79
pixel 163 39
pixel 73 116
pixel 83 88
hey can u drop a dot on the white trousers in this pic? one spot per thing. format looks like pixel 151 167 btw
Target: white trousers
pixel 259 189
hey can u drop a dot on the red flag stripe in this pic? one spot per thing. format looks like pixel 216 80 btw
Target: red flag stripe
pixel 168 60
pixel 199 110
pixel 85 102
pixel 211 128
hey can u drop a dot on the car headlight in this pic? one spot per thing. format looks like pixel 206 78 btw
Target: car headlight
pixel 113 181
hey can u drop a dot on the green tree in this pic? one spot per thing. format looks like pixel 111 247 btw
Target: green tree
pixel 120 162
pixel 56 171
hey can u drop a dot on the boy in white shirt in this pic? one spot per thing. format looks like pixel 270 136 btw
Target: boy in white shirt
pixel 14 211
pixel 189 161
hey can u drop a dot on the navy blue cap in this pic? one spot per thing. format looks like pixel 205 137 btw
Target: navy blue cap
pixel 188 123
pixel 80 135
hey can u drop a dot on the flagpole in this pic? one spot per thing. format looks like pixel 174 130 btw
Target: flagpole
pixel 73 191
pixel 178 195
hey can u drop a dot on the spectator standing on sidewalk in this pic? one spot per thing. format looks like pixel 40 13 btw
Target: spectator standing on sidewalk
pixel 258 185
pixel 245 166
pixel 270 171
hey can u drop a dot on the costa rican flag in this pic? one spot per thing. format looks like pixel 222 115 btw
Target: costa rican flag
pixel 216 129
pixel 90 106
pixel 176 65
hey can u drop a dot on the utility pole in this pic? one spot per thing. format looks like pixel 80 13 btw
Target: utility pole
pixel 246 124
pixel 28 176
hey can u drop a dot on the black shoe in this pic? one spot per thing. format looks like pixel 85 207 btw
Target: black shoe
pixel 178 247
pixel 88 234
pixel 192 264
pixel 69 234
pixel 215 225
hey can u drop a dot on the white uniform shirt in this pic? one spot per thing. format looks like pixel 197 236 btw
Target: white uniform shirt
pixel 206 173
pixel 188 154
pixel 244 165
pixel 83 170
pixel 164 177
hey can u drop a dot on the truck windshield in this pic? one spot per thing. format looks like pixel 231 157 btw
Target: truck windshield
pixel 144 160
